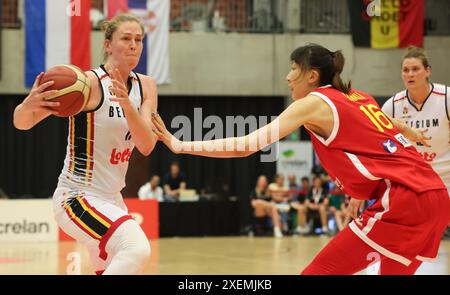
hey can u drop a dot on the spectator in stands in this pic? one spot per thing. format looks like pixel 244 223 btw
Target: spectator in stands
pixel 151 190
pixel 261 203
pixel 300 205
pixel 338 208
pixel 280 196
pixel 278 191
pixel 317 201
pixel 294 190
pixel 318 171
pixel 174 182
pixel 306 187
pixel 294 187
pixel 327 183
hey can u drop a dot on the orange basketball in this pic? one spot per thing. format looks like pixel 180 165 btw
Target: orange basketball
pixel 73 86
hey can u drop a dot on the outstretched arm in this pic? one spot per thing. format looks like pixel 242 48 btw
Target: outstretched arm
pixel 308 110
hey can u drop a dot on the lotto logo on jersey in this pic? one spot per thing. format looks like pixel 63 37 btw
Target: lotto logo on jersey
pixel 120 157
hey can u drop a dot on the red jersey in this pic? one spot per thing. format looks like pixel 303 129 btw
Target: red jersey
pixel 365 148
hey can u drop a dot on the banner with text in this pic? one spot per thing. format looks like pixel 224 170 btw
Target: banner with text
pixel 27 221
pixel 296 157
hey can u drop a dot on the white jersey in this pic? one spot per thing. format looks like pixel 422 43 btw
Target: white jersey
pixel 434 116
pixel 99 143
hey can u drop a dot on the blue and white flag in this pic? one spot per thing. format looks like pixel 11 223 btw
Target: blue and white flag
pixel 56 32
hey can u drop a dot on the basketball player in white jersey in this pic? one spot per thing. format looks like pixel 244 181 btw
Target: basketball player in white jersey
pixel 87 202
pixel 425 106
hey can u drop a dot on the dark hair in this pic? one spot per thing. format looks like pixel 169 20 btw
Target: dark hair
pixel 419 53
pixel 329 64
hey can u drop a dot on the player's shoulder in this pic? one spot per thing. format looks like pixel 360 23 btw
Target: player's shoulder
pixel 89 72
pixel 440 93
pixel 95 96
pixel 360 93
pixel 440 90
pixel 146 80
pixel 326 92
pixel 398 97
pixel 333 96
pixel 92 78
pixel 388 101
pixel 93 72
pixel 94 75
pixel 149 88
pixel 148 84
pixel 91 75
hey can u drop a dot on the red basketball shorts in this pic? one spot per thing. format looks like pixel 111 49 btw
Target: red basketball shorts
pixel 403 225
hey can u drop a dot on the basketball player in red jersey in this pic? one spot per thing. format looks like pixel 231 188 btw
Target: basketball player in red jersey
pixel 87 202
pixel 365 154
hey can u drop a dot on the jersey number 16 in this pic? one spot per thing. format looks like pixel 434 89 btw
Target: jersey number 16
pixel 378 118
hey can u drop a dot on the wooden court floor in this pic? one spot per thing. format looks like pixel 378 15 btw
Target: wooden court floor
pixel 192 256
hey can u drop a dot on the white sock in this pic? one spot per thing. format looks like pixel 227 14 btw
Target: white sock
pixel 277 232
pixel 130 249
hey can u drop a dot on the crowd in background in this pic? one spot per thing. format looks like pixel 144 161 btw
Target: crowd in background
pixel 310 205
pixel 307 206
pixel 174 183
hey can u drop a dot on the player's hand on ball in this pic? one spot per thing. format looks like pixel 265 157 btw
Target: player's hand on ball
pixel 119 89
pixel 35 101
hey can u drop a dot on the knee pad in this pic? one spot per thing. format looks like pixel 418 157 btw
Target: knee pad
pixel 129 239
pixel 139 252
pixel 129 248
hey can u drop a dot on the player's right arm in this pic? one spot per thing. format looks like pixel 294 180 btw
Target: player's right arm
pixel 309 110
pixel 34 107
pixel 95 93
pixel 413 134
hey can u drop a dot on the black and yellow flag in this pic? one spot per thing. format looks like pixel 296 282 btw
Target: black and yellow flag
pixel 387 24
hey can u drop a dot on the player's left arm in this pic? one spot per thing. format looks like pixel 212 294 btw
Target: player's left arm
pixel 308 110
pixel 149 106
pixel 139 123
